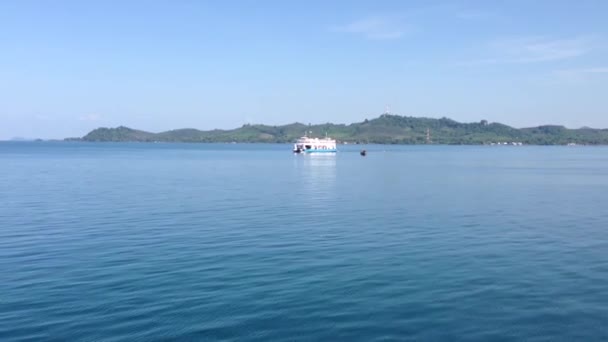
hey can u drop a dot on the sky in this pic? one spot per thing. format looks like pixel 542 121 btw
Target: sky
pixel 67 67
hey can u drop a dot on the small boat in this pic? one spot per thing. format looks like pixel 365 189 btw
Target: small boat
pixel 314 145
pixel 363 153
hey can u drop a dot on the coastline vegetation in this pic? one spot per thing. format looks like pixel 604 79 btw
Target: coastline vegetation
pixel 386 129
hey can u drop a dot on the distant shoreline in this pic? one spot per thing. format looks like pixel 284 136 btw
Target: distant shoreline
pixel 386 129
pixel 288 143
pixel 279 143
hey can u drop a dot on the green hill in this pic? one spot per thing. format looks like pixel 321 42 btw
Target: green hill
pixel 386 129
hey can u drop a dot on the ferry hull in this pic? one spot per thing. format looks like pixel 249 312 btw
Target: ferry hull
pixel 319 151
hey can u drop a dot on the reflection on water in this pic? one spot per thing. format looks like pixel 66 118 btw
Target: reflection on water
pixel 317 173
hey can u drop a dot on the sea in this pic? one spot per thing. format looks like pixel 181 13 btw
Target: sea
pixel 249 242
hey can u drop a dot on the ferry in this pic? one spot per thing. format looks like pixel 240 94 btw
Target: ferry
pixel 314 145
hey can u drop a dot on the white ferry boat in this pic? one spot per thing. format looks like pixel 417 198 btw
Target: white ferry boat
pixel 314 145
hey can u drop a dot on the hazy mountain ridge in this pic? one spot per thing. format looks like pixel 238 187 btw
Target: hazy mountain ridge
pixel 386 129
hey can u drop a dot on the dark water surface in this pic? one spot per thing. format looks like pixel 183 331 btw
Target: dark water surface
pixel 143 242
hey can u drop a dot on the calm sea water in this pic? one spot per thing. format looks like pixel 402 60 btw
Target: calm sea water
pixel 143 242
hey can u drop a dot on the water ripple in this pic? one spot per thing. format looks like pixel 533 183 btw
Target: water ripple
pixel 139 243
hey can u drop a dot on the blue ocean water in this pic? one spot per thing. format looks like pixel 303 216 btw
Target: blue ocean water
pixel 144 242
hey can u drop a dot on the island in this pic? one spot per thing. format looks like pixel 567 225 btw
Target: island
pixel 385 129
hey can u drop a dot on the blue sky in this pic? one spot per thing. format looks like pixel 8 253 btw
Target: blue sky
pixel 67 67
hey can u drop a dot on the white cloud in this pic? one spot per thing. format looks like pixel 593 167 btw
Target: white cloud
pixel 578 75
pixel 90 117
pixel 602 70
pixel 473 14
pixel 376 28
pixel 397 24
pixel 42 117
pixel 534 49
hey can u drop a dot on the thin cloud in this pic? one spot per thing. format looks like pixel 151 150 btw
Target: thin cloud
pixel 578 75
pixel 375 28
pixel 42 117
pixel 534 49
pixel 397 25
pixel 473 14
pixel 90 117
pixel 602 70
